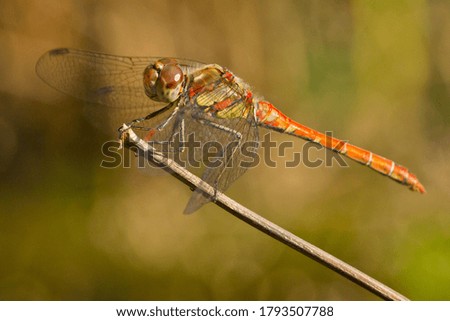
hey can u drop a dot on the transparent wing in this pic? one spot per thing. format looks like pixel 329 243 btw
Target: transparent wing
pixel 229 139
pixel 228 162
pixel 112 84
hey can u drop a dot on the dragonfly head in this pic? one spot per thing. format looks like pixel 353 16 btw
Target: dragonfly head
pixel 163 80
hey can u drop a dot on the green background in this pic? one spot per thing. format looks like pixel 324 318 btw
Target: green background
pixel 374 72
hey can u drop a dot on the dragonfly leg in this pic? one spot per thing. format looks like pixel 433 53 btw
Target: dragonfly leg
pixel 179 130
pixel 133 123
pixel 168 119
pixel 182 137
pixel 152 131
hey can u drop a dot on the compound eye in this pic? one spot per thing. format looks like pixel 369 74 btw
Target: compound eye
pixel 169 83
pixel 150 77
pixel 171 76
pixel 163 81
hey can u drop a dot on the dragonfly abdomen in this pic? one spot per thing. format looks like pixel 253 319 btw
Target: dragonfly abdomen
pixel 381 165
pixel 270 117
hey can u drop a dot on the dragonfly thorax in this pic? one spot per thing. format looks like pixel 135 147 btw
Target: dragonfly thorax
pixel 163 80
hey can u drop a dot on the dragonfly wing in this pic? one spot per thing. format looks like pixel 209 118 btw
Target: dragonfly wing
pixel 112 84
pixel 222 119
pixel 228 163
pixel 93 77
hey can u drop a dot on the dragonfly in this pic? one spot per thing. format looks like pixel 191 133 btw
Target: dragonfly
pixel 171 97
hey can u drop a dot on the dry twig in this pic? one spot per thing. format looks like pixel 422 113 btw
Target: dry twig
pixel 130 139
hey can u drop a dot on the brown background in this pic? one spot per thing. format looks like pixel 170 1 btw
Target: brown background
pixel 376 73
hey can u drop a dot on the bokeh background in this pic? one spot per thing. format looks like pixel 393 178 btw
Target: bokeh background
pixel 374 72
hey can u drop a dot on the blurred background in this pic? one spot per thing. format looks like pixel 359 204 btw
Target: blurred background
pixel 375 73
